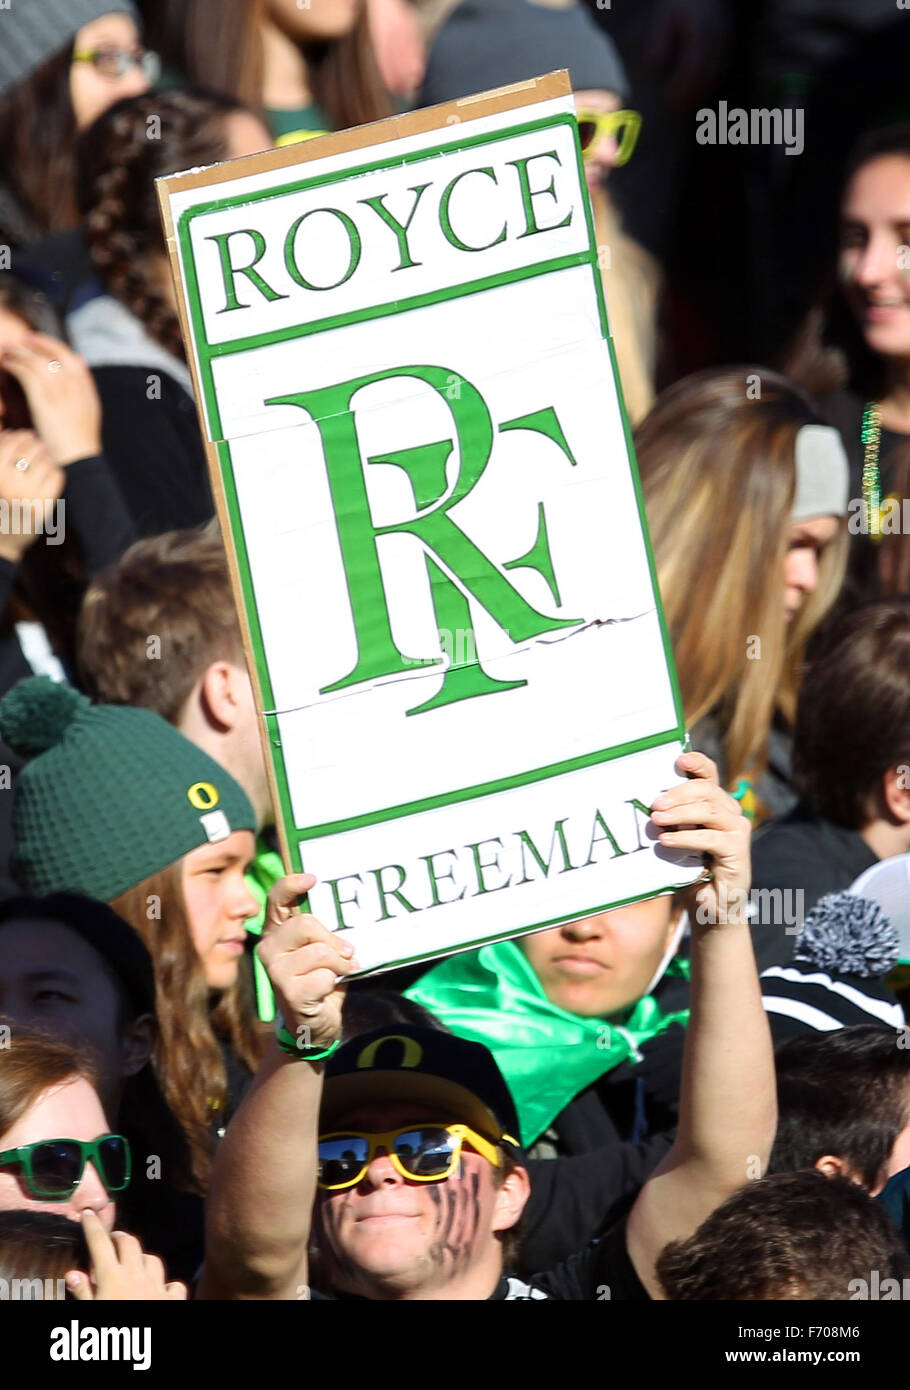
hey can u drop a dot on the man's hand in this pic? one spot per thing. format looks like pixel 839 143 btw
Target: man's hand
pixel 29 480
pixel 61 395
pixel 304 962
pixel 700 815
pixel 120 1268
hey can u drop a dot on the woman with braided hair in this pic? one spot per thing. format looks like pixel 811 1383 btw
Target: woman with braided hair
pixel 128 330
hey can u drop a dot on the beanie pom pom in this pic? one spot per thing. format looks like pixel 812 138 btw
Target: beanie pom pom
pixel 847 935
pixel 36 713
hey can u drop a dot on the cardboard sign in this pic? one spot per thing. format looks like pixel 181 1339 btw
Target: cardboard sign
pixel 425 482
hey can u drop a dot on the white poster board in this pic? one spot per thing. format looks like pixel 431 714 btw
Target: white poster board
pixel 425 479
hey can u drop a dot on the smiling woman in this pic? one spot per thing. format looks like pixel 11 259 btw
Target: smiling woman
pixel 854 349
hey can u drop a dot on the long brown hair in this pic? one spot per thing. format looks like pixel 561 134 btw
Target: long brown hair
pixel 118 165
pixel 719 476
pixel 37 131
pixel 342 73
pixel 188 1058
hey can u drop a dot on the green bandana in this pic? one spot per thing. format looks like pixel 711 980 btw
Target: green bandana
pixel 546 1054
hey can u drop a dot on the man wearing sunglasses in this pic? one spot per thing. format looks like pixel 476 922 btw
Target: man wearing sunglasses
pixel 410 1154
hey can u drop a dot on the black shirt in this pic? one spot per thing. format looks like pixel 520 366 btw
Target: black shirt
pixel 801 853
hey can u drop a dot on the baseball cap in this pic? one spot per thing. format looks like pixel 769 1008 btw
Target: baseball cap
pixel 888 884
pixel 424 1065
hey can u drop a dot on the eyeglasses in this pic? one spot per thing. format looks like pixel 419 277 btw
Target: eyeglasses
pixel 52 1168
pixel 622 125
pixel 427 1153
pixel 116 62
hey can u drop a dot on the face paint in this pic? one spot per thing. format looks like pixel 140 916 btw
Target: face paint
pixel 433 1240
pixel 458 1203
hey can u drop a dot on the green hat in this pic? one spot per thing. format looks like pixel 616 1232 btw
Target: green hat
pixel 111 795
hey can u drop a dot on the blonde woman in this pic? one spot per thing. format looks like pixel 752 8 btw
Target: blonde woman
pixel 746 493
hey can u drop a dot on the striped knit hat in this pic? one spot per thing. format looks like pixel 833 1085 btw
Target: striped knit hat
pixel 32 31
pixel 836 977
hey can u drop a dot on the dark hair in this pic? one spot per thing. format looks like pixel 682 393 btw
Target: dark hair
pixel 844 1093
pixel 790 1236
pixel 366 1009
pixel 40 1245
pixel 123 953
pixel 894 542
pixel 37 130
pixel 831 351
pixel 118 163
pixel 853 716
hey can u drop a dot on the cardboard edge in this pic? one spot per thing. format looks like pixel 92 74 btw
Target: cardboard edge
pixel 514 97
pixel 421 122
pixel 224 524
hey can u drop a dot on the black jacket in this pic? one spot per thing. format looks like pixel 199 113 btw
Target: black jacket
pixel 801 853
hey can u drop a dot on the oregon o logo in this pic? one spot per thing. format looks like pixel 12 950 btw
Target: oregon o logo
pixel 203 796
pixel 411 1051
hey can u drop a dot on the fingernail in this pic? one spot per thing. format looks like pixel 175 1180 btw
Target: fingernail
pixel 660 803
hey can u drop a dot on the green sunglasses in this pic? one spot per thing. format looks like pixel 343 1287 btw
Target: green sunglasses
pixel 52 1168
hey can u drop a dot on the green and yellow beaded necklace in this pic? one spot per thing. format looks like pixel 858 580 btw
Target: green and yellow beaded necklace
pixel 870 435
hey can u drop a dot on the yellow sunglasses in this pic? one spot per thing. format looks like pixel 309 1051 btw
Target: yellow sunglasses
pixel 420 1153
pixel 622 125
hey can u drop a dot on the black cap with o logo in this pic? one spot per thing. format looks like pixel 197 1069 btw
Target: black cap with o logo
pixel 443 1075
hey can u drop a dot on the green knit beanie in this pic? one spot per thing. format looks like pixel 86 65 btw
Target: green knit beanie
pixel 112 794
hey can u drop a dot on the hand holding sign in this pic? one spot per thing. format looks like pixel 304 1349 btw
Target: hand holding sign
pixel 700 815
pixel 416 436
pixel 304 961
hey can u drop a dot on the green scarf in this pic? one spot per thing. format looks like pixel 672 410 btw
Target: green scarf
pixel 546 1054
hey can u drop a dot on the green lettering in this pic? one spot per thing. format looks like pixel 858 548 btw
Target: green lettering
pixel 395 892
pixel 399 228
pixel 596 839
pixel 339 900
pixel 545 865
pixel 229 271
pixel 528 194
pixel 489 864
pixel 290 249
pixel 435 877
pixel 445 222
pixel 646 812
pixel 463 569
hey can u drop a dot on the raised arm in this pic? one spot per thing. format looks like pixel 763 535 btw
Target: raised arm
pixel 728 1106
pixel 260 1204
